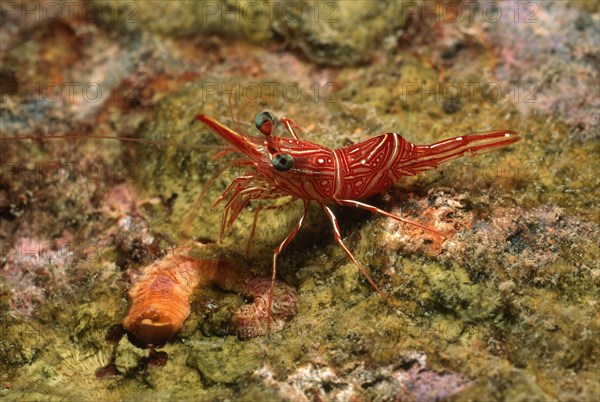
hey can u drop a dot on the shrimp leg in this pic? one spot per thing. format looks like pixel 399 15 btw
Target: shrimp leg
pixel 277 251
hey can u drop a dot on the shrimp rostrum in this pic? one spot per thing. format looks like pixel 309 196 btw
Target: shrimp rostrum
pixel 284 166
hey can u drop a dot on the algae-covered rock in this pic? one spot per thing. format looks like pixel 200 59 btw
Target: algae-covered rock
pixel 331 32
pixel 92 322
pixel 340 32
pixel 507 304
pixel 223 361
pixel 127 356
pixel 452 289
pixel 21 343
pixel 247 19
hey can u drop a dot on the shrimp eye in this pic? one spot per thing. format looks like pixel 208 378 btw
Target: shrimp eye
pixel 264 122
pixel 283 162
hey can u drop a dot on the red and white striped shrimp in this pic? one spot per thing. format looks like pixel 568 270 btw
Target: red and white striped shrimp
pixel 279 167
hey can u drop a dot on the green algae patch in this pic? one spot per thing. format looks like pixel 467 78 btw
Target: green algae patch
pixel 339 32
pixel 223 362
pixel 450 289
pixel 248 20
pixel 21 344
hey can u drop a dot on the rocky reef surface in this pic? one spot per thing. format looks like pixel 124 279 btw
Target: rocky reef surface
pixel 505 308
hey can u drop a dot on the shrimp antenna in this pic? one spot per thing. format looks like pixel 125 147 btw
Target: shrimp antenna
pixel 109 137
pixel 236 124
pixel 245 103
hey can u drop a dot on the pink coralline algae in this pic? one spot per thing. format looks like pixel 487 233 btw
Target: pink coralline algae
pixel 521 241
pixel 408 380
pixel 161 297
pixel 33 268
pixel 441 211
pixel 556 65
